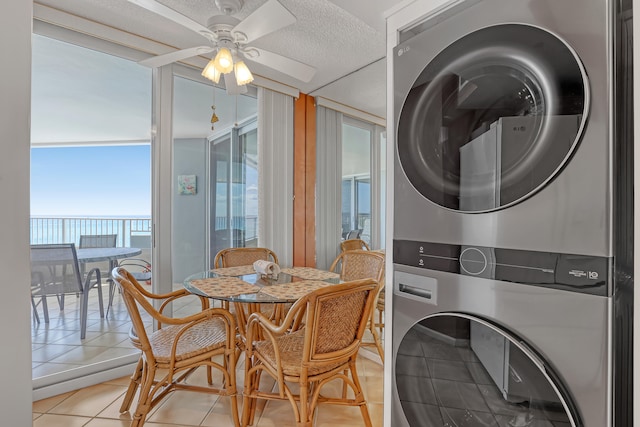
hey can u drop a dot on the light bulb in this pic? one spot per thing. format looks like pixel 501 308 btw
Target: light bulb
pixel 223 61
pixel 211 72
pixel 243 75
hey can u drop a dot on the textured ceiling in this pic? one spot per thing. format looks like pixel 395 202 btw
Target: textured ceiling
pixel 336 37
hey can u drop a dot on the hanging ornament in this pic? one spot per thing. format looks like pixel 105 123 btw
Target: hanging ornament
pixel 214 117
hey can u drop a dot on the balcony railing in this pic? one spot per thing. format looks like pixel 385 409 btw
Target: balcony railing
pixel 130 231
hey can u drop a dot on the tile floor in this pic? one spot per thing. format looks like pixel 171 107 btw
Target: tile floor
pixel 97 406
pixel 57 347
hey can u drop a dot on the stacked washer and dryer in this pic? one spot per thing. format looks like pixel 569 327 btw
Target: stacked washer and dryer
pixel 513 213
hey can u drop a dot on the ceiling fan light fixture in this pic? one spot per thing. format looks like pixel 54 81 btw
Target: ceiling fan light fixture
pixel 243 75
pixel 223 61
pixel 211 72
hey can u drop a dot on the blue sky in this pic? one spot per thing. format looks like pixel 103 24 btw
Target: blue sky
pixel 91 181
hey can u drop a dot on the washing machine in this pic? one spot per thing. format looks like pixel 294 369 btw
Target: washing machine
pixel 513 212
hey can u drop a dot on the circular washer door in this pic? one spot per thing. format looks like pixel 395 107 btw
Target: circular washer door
pixel 454 369
pixel 492 118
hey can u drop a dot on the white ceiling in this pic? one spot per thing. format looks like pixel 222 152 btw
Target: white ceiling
pixel 340 38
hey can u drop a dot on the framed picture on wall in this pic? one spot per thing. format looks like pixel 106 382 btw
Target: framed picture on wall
pixel 187 184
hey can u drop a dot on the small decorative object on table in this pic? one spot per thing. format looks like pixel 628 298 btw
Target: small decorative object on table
pixel 266 269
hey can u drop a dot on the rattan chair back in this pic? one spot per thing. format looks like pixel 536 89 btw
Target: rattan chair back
pixel 359 264
pixel 336 320
pixel 354 245
pixel 233 257
pixel 325 349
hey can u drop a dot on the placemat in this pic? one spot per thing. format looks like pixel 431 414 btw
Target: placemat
pixel 310 273
pixel 224 286
pixel 235 271
pixel 294 290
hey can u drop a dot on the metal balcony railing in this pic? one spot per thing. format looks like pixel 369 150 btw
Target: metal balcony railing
pixel 69 230
pixel 130 231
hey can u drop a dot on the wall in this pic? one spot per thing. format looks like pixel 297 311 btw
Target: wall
pixel 15 95
pixel 189 218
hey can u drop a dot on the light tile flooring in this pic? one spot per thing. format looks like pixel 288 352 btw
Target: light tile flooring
pixel 57 347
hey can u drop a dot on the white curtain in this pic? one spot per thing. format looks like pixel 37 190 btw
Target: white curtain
pixel 328 185
pixel 275 173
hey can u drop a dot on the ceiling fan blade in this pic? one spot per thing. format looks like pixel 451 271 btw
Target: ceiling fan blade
pixel 298 70
pixel 174 16
pixel 266 19
pixel 168 58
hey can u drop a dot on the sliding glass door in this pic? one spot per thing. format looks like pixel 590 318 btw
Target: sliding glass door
pixel 214 196
pixel 234 189
pixel 90 175
pixel 357 160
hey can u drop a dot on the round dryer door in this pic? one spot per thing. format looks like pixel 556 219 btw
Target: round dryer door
pixel 457 370
pixel 492 118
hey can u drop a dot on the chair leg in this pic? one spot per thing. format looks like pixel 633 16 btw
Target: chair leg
pixel 133 386
pixel 36 317
pixel 359 395
pixel 306 413
pixel 112 292
pixel 251 384
pixel 100 302
pixel 84 306
pixel 376 337
pixel 145 397
pixel 45 309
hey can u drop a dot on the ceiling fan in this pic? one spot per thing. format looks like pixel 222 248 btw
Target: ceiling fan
pixel 230 38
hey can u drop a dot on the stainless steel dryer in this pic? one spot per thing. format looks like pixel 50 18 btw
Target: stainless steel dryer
pixel 513 216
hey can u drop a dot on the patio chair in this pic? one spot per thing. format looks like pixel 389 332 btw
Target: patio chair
pixel 354 234
pixel 325 349
pixel 55 272
pixel 176 349
pixel 354 244
pixel 360 264
pixel 98 241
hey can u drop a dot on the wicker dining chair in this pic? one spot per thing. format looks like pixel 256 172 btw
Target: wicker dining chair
pixel 361 264
pixel 353 244
pixel 233 257
pixel 176 349
pixel 334 318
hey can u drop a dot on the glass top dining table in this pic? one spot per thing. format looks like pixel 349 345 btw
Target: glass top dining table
pixel 243 285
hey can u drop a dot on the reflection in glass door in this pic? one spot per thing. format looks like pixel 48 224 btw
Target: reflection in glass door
pixel 356 180
pixel 234 189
